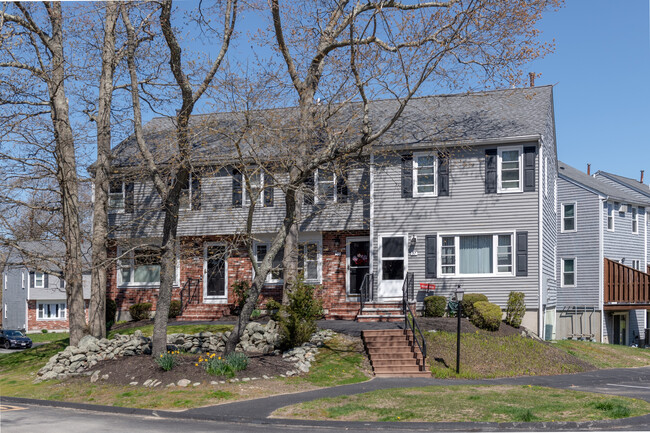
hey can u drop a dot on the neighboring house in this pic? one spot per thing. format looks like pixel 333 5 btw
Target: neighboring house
pixel 602 259
pixel 34 296
pixel 460 192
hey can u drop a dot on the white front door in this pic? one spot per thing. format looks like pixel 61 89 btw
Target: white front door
pixel 392 266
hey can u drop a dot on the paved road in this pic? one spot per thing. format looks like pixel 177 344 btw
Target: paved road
pixel 3 350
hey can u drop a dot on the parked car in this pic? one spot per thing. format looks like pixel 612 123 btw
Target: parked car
pixel 11 338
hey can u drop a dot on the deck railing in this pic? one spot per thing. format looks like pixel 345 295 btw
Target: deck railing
pixel 410 323
pixel 625 285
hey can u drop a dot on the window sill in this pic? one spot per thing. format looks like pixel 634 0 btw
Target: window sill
pixel 443 276
pixel 143 286
pixel 568 231
pixel 509 191
pixel 215 300
pixel 50 320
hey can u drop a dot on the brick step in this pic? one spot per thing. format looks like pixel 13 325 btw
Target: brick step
pixel 396 355
pixel 398 369
pixel 380 363
pixel 388 343
pixel 380 309
pixel 365 318
pixel 411 374
pixel 383 332
pixel 381 338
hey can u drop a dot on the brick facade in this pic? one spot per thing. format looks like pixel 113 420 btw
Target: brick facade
pixel 332 291
pixel 34 324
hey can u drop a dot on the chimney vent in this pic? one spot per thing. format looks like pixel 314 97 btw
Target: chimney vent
pixel 531 79
pixel 589 169
pixel 641 176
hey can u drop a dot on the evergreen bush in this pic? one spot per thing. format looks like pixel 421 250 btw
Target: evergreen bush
pixel 486 315
pixel 140 311
pixel 516 309
pixel 174 309
pixel 467 304
pixel 434 306
pixel 297 320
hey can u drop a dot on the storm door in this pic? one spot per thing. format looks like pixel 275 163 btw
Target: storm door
pixel 357 253
pixel 215 271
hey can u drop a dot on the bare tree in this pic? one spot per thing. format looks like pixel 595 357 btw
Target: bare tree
pixel 177 169
pixel 339 56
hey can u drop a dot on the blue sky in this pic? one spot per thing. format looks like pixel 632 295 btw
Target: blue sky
pixel 601 76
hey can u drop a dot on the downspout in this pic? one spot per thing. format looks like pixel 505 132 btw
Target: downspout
pixel 540 237
pixel 372 218
pixel 601 266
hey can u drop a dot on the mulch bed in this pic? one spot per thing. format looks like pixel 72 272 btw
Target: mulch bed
pixel 127 369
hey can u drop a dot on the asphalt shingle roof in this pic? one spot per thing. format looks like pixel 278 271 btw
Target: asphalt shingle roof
pixel 598 185
pixel 634 184
pixel 443 119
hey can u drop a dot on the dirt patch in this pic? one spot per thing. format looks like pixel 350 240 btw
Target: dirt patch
pixel 127 369
pixel 450 324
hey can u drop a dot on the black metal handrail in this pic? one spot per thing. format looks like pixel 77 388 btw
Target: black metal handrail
pixel 408 295
pixel 365 292
pixel 189 292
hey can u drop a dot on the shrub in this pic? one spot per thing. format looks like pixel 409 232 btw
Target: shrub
pixel 44 331
pixel 467 304
pixel 168 360
pixel 111 310
pixel 273 308
pixel 434 306
pixel 140 311
pixel 516 309
pixel 486 315
pixel 174 309
pixel 256 314
pixel 297 320
pixel 240 290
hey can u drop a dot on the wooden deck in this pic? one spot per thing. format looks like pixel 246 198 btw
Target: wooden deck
pixel 625 288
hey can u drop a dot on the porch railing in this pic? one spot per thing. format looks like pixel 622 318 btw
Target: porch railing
pixel 410 323
pixel 190 292
pixel 625 285
pixel 365 293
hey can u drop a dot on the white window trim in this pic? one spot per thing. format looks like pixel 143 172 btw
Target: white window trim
pixel 635 218
pixel 575 272
pixel 245 196
pixel 500 151
pixel 495 254
pixel 269 276
pixel 575 217
pixel 317 198
pixel 117 209
pixel 129 257
pixel 45 319
pixel 434 193
pixel 610 214
pixel 189 194
pixel 214 299
pixel 36 285
pixel 309 239
pixel 22 280
pixel 381 259
pixel 546 182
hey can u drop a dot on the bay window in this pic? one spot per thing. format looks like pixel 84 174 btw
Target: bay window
pixel 51 311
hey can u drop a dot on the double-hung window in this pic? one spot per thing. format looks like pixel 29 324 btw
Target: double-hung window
pixel 510 169
pixel 424 174
pixel 276 276
pixel 185 198
pixel 141 267
pixel 116 196
pixel 51 311
pixel 569 217
pixel 569 272
pixel 610 217
pixel 480 254
pixel 635 221
pixel 309 261
pixel 39 280
pixel 325 185
pixel 256 180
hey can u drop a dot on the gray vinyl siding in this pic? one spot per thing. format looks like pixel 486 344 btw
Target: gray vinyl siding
pixel 14 299
pixel 549 213
pixel 217 216
pixel 621 244
pixel 583 244
pixel 54 292
pixel 466 210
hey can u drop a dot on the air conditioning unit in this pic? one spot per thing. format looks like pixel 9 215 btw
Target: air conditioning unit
pixel 623 208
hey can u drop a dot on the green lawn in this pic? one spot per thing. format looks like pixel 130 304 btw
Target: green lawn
pixel 606 355
pixel 487 356
pixel 468 403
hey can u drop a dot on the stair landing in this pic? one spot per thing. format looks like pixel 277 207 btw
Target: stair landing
pixel 392 353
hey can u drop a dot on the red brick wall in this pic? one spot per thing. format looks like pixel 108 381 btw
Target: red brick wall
pixel 332 290
pixel 33 324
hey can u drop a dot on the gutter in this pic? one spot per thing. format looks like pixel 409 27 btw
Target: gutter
pixel 601 266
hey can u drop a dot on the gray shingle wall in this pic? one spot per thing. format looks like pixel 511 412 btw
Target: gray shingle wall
pixel 467 210
pixel 14 299
pixel 583 244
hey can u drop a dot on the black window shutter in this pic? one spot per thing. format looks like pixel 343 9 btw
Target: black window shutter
pixel 342 187
pixel 443 174
pixel 236 188
pixel 268 196
pixel 128 197
pixel 32 278
pixel 522 254
pixel 196 192
pixel 490 171
pixel 309 189
pixel 430 259
pixel 529 168
pixel 46 281
pixel 407 176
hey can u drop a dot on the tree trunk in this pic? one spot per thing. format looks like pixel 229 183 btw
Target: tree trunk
pixel 67 178
pixel 97 312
